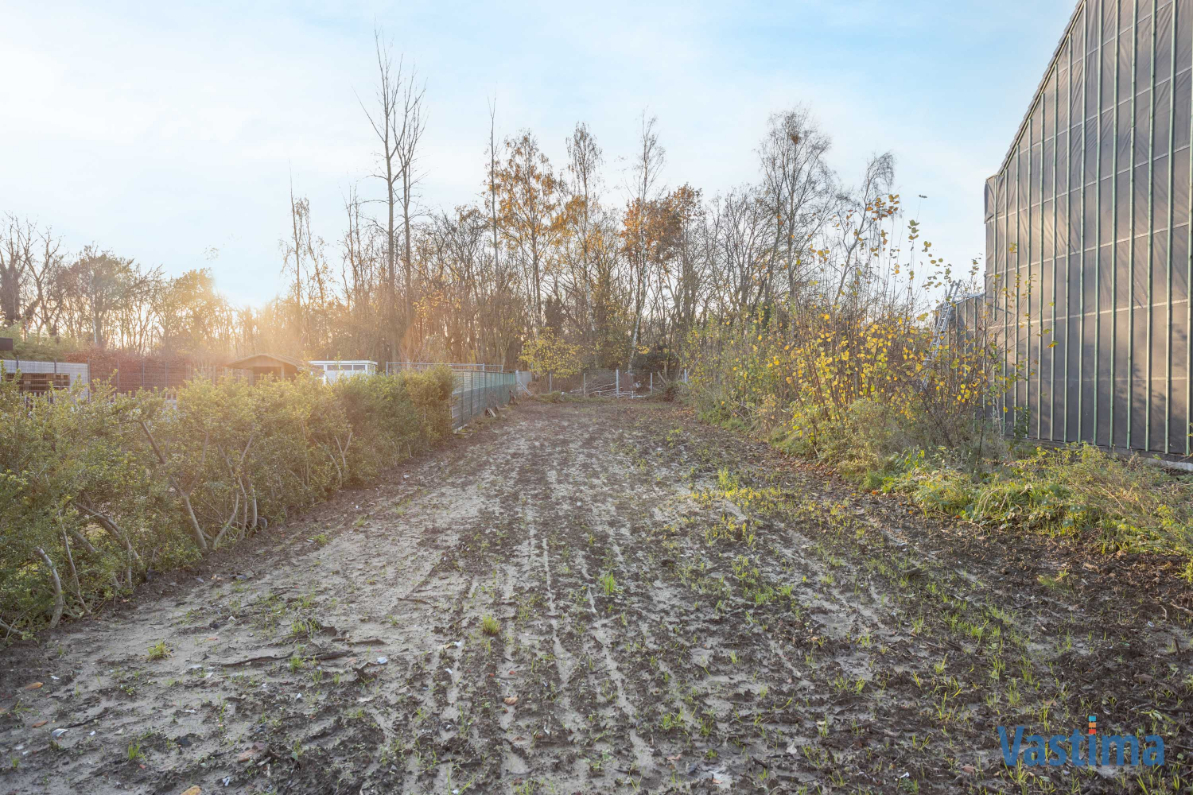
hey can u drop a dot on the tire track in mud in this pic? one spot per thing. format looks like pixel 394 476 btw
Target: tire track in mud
pixel 551 505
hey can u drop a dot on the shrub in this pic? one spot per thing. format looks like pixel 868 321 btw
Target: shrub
pixel 547 353
pixel 1078 491
pixel 98 487
pixel 866 380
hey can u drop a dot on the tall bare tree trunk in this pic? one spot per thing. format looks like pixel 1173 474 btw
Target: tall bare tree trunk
pixel 409 134
pixel 493 188
pixel 649 162
pixel 384 121
pixel 297 267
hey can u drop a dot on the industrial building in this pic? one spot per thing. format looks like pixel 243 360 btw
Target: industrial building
pixel 1088 230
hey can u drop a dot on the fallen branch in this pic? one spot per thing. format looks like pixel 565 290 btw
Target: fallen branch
pixel 1182 609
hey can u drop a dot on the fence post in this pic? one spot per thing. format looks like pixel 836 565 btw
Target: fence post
pixel 652 382
pixel 584 383
pixel 617 382
pixel 550 382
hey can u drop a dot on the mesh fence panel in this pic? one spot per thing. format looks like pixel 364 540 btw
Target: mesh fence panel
pixel 608 383
pixel 478 387
pixel 478 391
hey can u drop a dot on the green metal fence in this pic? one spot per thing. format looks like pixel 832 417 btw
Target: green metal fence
pixel 477 387
pixel 477 391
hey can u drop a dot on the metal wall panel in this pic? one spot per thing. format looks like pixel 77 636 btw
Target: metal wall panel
pixel 1090 234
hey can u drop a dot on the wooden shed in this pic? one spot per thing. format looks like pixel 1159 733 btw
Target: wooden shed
pixel 266 364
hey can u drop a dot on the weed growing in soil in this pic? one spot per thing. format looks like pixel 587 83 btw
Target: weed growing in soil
pixel 135 754
pixel 490 626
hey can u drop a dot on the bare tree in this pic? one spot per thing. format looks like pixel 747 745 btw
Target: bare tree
pixel 859 217
pixel 112 298
pixel 385 121
pixel 493 183
pixel 409 134
pixel 16 254
pixel 46 275
pixel 584 162
pixel 648 162
pixel 292 252
pixel 797 186
pixel 530 214
pixel 360 277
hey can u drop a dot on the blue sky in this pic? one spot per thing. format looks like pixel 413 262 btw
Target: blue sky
pixel 169 132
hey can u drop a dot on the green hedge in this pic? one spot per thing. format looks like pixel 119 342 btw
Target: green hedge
pixel 96 489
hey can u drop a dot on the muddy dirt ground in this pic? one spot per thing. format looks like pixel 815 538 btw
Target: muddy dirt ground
pixel 600 597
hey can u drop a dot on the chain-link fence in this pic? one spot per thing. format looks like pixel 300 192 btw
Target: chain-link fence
pixel 393 367
pixel 609 383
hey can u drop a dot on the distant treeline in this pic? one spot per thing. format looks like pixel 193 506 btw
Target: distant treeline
pixel 616 266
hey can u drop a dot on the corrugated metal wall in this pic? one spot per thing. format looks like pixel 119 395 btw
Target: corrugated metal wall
pixel 1088 234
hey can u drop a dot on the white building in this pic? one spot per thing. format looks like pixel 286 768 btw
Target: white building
pixel 334 370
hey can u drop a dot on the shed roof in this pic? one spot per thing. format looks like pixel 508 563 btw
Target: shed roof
pixel 266 360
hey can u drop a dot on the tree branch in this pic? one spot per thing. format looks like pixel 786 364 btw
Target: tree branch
pixel 200 538
pixel 59 602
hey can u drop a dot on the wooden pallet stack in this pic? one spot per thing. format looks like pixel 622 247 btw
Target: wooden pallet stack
pixel 40 383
